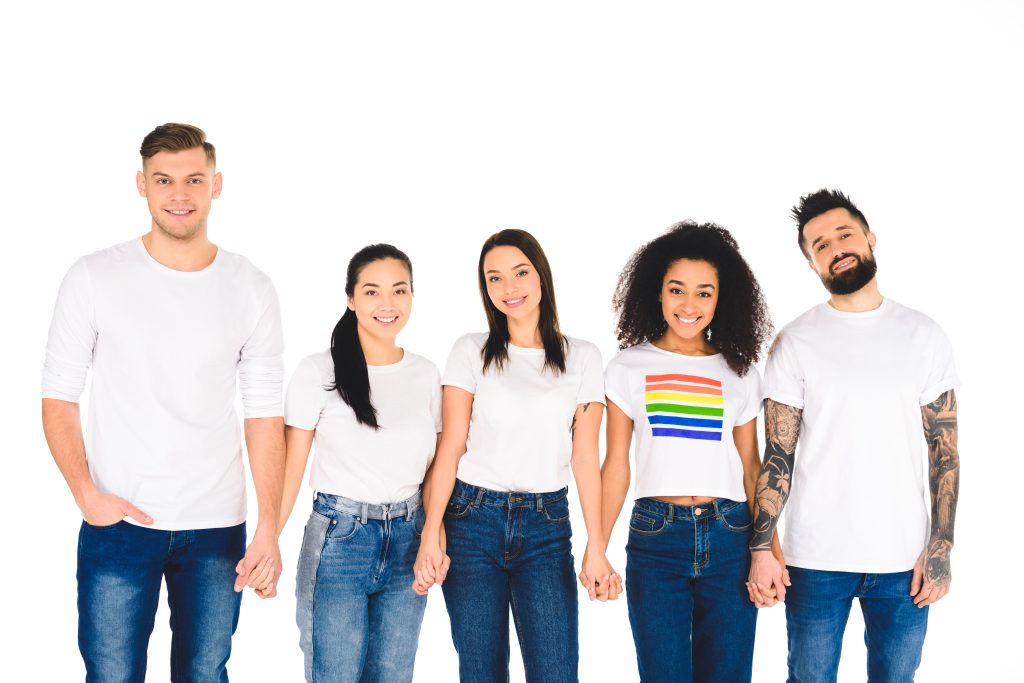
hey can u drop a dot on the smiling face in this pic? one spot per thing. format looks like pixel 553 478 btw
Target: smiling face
pixel 179 188
pixel 841 251
pixel 513 284
pixel 382 298
pixel 689 294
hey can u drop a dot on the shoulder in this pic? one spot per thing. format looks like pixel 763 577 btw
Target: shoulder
pixel 240 267
pixel 472 341
pixel 112 256
pixel 316 366
pixel 420 365
pixel 911 316
pixel 629 355
pixel 581 348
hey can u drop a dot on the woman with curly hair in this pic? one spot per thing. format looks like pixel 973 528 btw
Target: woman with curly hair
pixel 691 322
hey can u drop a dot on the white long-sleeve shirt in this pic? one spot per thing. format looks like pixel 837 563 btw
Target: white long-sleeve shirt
pixel 165 347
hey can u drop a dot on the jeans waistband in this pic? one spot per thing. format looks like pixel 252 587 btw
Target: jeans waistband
pixel 364 511
pixel 478 496
pixel 670 511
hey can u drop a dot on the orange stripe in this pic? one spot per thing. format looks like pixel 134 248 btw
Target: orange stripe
pixel 683 378
pixel 685 388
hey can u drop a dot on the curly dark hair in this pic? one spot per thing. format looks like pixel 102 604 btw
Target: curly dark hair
pixel 741 323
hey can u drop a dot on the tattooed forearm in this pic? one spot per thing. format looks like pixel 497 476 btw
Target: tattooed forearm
pixel 781 427
pixel 940 430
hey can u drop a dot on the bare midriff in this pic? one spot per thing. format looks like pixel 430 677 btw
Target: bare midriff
pixel 686 500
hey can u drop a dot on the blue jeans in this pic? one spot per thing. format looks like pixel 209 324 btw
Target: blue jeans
pixel 119 572
pixel 511 549
pixel 686 568
pixel 358 617
pixel 817 607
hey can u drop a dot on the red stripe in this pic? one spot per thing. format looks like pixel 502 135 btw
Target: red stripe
pixel 683 378
pixel 684 387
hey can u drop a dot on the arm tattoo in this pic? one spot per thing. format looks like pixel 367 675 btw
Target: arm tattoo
pixel 940 431
pixel 781 429
pixel 572 427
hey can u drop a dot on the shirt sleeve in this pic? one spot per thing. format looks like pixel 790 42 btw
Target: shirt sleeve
pixel 616 385
pixel 591 375
pixel 941 371
pixel 464 365
pixel 72 338
pixel 305 399
pixel 783 376
pixel 435 397
pixel 752 403
pixel 261 368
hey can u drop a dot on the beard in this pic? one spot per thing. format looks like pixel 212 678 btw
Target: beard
pixel 183 233
pixel 853 278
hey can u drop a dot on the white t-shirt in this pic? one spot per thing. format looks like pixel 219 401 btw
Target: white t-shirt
pixel 165 347
pixel 352 459
pixel 519 432
pixel 683 409
pixel 858 498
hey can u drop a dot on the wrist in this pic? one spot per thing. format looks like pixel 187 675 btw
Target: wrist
pixel 596 546
pixel 84 494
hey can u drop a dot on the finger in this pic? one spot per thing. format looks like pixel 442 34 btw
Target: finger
pixel 446 562
pixel 257 571
pixel 780 591
pixel 129 510
pixel 916 580
pixel 242 573
pixel 785 577
pixel 754 596
pixel 770 597
pixel 264 576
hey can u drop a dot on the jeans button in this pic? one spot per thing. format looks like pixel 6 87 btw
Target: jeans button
pixel 697 512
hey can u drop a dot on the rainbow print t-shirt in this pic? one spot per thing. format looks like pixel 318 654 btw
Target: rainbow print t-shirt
pixel 684 409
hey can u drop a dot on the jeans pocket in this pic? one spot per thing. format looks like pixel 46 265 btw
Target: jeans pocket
pixel 458 507
pixel 646 524
pixel 737 518
pixel 557 512
pixel 419 519
pixel 341 526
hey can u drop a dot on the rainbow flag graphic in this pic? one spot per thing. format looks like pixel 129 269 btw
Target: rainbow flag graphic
pixel 685 406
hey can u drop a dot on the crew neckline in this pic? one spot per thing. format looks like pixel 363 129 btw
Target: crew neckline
pixel 651 346
pixel 882 308
pixel 529 350
pixel 390 367
pixel 213 265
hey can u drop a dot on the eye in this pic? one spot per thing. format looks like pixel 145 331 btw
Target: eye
pixel 195 181
pixel 675 291
pixel 821 246
pixel 844 235
pixel 371 292
pixel 522 273
pixel 493 278
pixel 704 295
pixel 163 181
pixel 400 290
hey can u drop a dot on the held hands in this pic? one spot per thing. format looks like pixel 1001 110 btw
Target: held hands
pixel 432 562
pixel 768 578
pixel 105 509
pixel 931 577
pixel 261 566
pixel 597 576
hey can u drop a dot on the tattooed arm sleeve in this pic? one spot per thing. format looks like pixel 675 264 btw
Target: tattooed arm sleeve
pixel 781 429
pixel 940 430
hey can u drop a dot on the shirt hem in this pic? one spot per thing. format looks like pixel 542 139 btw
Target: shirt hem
pixel 803 563
pixel 189 526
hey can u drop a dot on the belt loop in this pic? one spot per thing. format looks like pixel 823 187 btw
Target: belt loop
pixel 718 513
pixel 479 499
pixel 540 502
pixel 363 510
pixel 409 509
pixel 671 512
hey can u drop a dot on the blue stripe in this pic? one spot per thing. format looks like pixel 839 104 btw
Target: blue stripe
pixel 683 421
pixel 687 434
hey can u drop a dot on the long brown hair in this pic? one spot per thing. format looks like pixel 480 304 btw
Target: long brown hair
pixel 495 350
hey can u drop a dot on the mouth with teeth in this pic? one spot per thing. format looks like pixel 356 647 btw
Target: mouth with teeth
pixel 688 322
pixel 386 320
pixel 843 263
pixel 180 212
pixel 513 303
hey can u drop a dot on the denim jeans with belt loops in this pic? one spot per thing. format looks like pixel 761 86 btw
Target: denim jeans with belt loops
pixel 686 568
pixel 358 617
pixel 511 550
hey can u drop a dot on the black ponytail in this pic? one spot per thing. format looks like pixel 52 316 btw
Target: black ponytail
pixel 351 378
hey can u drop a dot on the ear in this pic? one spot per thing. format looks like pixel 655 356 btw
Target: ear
pixel 871 240
pixel 140 183
pixel 218 183
pixel 351 306
pixel 810 264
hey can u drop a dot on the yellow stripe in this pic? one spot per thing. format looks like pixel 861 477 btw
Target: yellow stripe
pixel 684 398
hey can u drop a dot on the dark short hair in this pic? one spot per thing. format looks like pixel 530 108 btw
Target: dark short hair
pixel 813 205
pixel 176 137
pixel 741 323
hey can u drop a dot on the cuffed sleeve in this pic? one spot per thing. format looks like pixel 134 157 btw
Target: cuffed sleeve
pixel 72 337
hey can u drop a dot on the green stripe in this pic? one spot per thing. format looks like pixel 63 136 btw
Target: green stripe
pixel 689 410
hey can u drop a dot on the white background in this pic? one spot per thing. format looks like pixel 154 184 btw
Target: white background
pixel 592 125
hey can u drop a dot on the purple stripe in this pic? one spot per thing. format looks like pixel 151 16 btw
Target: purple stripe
pixel 687 434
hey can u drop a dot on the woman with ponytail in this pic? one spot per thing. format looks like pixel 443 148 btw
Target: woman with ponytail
pixel 522 407
pixel 374 411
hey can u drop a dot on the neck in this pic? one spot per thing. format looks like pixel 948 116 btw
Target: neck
pixel 188 255
pixel 867 298
pixel 526 332
pixel 379 351
pixel 695 346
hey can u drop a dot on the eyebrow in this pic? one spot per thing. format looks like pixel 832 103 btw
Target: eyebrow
pixel 521 265
pixel 680 282
pixel 190 175
pixel 373 284
pixel 838 228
